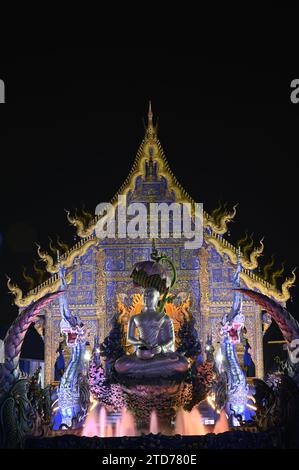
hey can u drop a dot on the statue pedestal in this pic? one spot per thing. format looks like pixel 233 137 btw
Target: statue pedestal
pixel 165 400
pixel 169 367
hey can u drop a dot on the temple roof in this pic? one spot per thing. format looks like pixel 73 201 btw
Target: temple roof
pixel 150 158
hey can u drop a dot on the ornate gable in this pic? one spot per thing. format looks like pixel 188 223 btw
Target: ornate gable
pixel 152 180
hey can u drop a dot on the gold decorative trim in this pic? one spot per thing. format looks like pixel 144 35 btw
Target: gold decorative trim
pixel 16 291
pixel 221 229
pixel 269 290
pixel 204 281
pixel 48 287
pixel 53 283
pixel 252 263
pixel 173 185
pixel 101 295
pixel 67 258
pixel 49 350
pixel 46 258
pixel 251 280
pixel 259 344
pixel 82 231
pixel 222 247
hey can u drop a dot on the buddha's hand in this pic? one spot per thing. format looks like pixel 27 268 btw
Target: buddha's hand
pixel 156 349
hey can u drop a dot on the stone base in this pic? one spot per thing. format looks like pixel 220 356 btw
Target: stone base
pixel 170 366
pixel 165 400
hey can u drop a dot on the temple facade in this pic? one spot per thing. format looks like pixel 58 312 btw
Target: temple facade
pixel 98 271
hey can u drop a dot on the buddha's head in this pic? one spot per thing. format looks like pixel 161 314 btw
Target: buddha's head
pixel 151 298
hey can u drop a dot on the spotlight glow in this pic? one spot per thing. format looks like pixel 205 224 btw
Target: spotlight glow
pixel 87 356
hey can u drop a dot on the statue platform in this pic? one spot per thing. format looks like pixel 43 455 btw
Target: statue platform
pixel 165 400
pixel 162 368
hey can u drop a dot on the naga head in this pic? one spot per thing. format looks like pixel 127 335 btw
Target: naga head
pixel 236 333
pixel 73 332
pixel 232 324
pixel 70 324
pixel 233 329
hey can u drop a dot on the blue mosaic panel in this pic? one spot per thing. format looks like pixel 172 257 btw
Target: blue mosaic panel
pixel 74 279
pixel 81 290
pixel 115 259
pixel 83 312
pixel 195 304
pixel 189 259
pixel 88 258
pixel 188 288
pixel 81 296
pixel 87 277
pixel 230 274
pixel 221 278
pixel 217 275
pixel 221 294
pixel 112 289
pixel 138 182
pixel 140 254
pixel 168 252
pixel 215 257
pixel 154 191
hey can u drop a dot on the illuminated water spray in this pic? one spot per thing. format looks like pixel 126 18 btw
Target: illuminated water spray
pixel 102 423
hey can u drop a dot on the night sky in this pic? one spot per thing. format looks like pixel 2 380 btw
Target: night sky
pixel 73 123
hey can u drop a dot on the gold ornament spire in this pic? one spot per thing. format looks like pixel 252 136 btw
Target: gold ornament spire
pixel 150 115
pixel 151 130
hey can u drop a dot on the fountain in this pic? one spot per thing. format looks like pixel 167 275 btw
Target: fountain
pixel 102 423
pixel 189 423
pixel 154 424
pixel 222 423
pixel 99 423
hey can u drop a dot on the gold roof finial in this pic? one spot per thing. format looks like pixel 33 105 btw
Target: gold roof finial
pixel 150 115
pixel 151 129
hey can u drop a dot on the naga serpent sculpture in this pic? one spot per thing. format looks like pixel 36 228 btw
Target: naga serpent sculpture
pixel 277 398
pixel 288 326
pixel 17 414
pixel 231 328
pixel 73 392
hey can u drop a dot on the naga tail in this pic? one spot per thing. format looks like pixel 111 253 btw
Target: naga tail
pixel 9 371
pixel 287 324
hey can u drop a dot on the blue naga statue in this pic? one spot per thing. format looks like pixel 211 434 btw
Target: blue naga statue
pixel 231 329
pixel 73 393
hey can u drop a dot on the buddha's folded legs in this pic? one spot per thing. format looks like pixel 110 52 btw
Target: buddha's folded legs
pixel 162 365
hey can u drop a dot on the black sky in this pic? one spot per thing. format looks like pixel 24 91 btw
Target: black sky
pixel 73 122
